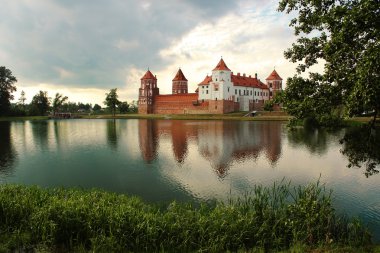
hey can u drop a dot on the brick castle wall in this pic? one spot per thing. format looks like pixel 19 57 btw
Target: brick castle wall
pixel 179 104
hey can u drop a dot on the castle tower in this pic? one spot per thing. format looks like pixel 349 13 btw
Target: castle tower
pixel 221 84
pixel 179 84
pixel 274 82
pixel 147 92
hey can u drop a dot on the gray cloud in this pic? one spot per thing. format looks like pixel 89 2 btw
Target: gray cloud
pixel 93 43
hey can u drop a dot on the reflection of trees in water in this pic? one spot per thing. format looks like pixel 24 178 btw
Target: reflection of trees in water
pixel 112 134
pixel 57 132
pixel 361 145
pixel 315 140
pixel 7 153
pixel 40 133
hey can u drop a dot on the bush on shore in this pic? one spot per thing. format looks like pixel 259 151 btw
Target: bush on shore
pixel 274 218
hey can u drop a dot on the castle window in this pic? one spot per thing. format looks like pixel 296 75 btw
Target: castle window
pixel 228 89
pixel 216 79
pixel 239 92
pixel 206 91
pixel 235 92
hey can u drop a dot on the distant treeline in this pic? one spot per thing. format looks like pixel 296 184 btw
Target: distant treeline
pixel 42 104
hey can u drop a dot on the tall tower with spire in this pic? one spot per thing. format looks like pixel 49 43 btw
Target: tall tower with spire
pixel 221 85
pixel 274 82
pixel 148 90
pixel 179 83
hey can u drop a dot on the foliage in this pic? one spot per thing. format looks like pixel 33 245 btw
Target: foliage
pixel 133 106
pixel 84 107
pixel 7 87
pixel 22 98
pixel 74 107
pixel 269 218
pixel 345 35
pixel 58 101
pixel 123 107
pixel 112 100
pixel 40 104
pixel 268 105
pixel 362 145
pixel 96 107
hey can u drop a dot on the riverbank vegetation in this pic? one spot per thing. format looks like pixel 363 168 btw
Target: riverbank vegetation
pixel 344 35
pixel 275 218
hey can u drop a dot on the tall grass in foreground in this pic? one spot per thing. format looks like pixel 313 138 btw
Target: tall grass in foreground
pixel 268 218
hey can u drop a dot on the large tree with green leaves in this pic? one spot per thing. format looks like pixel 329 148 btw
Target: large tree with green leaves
pixel 7 87
pixel 112 100
pixel 123 107
pixel 40 103
pixel 343 34
pixel 58 101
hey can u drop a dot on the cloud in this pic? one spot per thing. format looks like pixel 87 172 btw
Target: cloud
pixel 251 41
pixel 93 40
pixel 92 46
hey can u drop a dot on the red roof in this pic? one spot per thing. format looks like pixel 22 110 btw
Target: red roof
pixel 179 76
pixel 206 81
pixel 221 66
pixel 274 76
pixel 247 81
pixel 148 75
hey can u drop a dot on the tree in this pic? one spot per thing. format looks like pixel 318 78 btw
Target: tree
pixel 58 101
pixel 268 105
pixel 111 100
pixel 70 107
pixel 133 106
pixel 40 103
pixel 7 86
pixel 22 98
pixel 97 108
pixel 123 107
pixel 84 107
pixel 345 35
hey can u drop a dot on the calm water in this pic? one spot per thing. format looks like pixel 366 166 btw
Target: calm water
pixel 162 160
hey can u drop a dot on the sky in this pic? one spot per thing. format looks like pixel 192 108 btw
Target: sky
pixel 83 49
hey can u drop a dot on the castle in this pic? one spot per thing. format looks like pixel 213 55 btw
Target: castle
pixel 222 92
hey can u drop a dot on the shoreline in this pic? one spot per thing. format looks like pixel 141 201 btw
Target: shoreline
pixel 265 116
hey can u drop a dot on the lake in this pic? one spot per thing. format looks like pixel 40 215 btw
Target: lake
pixel 188 160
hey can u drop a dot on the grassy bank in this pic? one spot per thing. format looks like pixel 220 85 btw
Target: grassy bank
pixel 229 116
pixel 24 118
pixel 268 219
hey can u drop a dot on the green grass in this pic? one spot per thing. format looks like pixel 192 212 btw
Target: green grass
pixel 278 218
pixel 24 118
pixel 229 116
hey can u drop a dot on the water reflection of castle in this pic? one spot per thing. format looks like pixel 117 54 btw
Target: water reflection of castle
pixel 220 142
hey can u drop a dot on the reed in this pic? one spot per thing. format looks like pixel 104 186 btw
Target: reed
pixel 268 219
